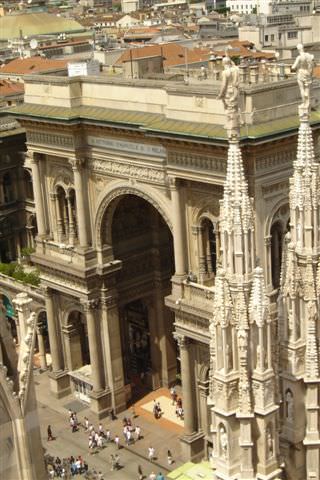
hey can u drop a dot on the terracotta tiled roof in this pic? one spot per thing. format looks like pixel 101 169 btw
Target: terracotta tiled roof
pixel 22 66
pixel 8 88
pixel 173 54
pixel 316 71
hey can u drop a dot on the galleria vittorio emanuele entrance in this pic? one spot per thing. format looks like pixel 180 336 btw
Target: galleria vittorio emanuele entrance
pixel 142 241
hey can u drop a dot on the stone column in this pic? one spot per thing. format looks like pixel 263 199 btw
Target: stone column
pixel 77 166
pixel 71 231
pixel 38 197
pixel 112 348
pixel 22 305
pixel 94 346
pixel 1 192
pixel 55 347
pixel 267 242
pixel 156 359
pixel 202 257
pixel 208 253
pixel 42 349
pixel 187 385
pixel 178 216
pixel 192 442
pixel 54 212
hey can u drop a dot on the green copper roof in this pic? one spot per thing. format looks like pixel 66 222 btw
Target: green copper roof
pixel 32 24
pixel 155 123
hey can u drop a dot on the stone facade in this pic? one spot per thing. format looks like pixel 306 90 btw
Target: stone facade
pixel 128 181
pixel 20 440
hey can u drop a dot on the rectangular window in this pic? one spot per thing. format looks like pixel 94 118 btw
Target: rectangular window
pixel 292 35
pixel 272 37
pixel 266 38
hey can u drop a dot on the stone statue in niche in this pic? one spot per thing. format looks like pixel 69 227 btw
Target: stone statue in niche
pixel 289 405
pixel 224 443
pixel 269 443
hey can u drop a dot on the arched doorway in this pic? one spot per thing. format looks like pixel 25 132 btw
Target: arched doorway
pixel 78 355
pixel 142 241
pixel 79 351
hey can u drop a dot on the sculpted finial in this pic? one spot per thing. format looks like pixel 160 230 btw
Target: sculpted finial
pixel 229 94
pixel 304 67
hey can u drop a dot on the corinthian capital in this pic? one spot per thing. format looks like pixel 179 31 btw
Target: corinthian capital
pixel 77 162
pixel 182 340
pixel 91 304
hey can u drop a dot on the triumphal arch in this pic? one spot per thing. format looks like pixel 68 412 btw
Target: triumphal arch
pixel 128 178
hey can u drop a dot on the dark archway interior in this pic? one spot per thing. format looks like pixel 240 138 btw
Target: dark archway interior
pixel 80 349
pixel 143 242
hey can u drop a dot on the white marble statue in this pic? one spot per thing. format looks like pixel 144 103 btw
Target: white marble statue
pixel 229 94
pixel 269 443
pixel 303 65
pixel 224 442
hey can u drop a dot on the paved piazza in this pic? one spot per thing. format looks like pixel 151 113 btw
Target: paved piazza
pixel 161 434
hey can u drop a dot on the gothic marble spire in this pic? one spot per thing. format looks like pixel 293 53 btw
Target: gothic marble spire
pixel 304 191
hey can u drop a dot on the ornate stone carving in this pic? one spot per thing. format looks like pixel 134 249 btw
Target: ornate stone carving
pixel 183 341
pixel 91 304
pixel 58 140
pixel 195 161
pixel 77 162
pixel 275 160
pixel 128 170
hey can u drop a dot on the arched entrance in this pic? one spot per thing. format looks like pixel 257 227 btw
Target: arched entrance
pixel 78 355
pixel 79 345
pixel 142 241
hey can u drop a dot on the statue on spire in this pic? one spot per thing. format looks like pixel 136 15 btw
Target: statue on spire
pixel 229 94
pixel 304 67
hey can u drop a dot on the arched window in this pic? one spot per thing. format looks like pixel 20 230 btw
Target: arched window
pixel 62 213
pixel 28 185
pixel 207 250
pixel 8 191
pixel 276 253
pixel 66 215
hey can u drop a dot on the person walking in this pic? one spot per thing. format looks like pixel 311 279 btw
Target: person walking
pixel 100 441
pixel 128 437
pixel 117 441
pixel 152 476
pixel 169 457
pixel 112 463
pixel 159 476
pixel 117 461
pixel 108 436
pixel 173 395
pixel 49 431
pixel 86 424
pixel 140 474
pixel 138 432
pixel 151 452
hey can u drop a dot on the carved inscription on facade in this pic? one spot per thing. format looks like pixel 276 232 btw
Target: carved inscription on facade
pixel 126 146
